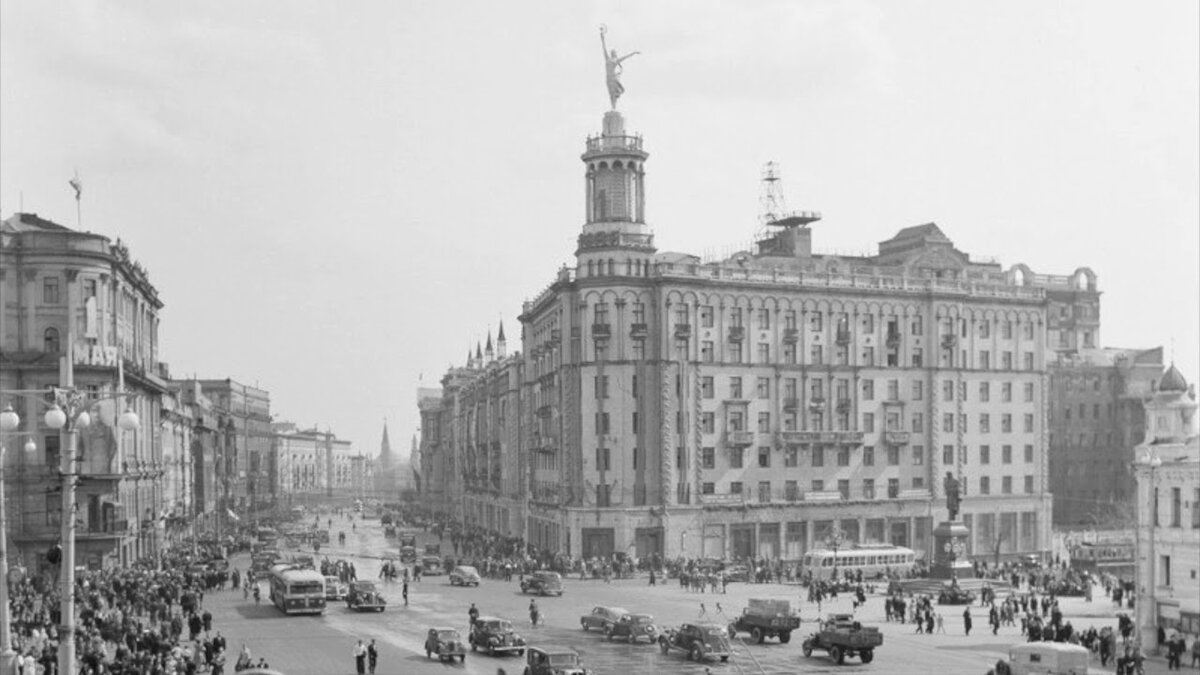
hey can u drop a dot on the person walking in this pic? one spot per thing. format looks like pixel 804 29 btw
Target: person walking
pixel 967 620
pixel 472 615
pixel 533 613
pixel 372 657
pixel 218 663
pixel 404 592
pixel 360 658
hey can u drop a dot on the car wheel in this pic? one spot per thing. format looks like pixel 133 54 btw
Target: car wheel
pixel 608 632
pixel 632 639
pixel 520 652
pixel 785 637
pixel 757 635
pixel 583 625
pixel 806 648
pixel 491 650
pixel 724 659
pixel 867 655
pixel 835 653
pixel 428 653
pixel 662 644
pixel 462 658
pixel 732 631
pixel 560 594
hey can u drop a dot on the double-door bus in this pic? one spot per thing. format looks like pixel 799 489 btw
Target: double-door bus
pixel 872 559
pixel 297 590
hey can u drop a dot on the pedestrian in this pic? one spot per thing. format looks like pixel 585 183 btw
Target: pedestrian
pixel 652 579
pixel 218 663
pixel 533 613
pixel 404 592
pixel 967 620
pixel 360 658
pixel 941 623
pixel 372 656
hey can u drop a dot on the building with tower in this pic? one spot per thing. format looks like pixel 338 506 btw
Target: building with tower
pixel 385 479
pixel 756 405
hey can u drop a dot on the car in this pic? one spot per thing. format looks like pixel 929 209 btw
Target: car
pixel 543 583
pixel 737 573
pixel 602 618
pixel 431 565
pixel 766 618
pixel 446 643
pixel 633 627
pixel 554 661
pixel 700 641
pixel 464 575
pixel 408 554
pixel 335 589
pixel 842 636
pixel 365 597
pixel 495 636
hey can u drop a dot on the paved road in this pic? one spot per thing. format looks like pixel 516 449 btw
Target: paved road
pixel 323 645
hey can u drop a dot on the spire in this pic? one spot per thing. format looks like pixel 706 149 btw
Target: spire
pixel 478 356
pixel 501 348
pixel 491 353
pixel 385 449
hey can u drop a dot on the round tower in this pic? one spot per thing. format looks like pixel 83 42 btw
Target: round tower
pixel 616 240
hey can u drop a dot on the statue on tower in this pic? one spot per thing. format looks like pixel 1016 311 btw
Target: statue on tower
pixel 612 65
pixel 953 495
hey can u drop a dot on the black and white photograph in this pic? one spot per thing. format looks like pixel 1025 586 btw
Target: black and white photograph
pixel 608 337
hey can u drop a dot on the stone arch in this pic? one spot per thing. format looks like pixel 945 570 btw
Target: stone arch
pixel 1083 279
pixel 1020 274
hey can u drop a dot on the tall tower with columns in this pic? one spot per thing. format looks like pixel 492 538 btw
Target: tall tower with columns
pixel 615 240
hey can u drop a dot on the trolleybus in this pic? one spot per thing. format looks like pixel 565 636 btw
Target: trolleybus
pixel 872 559
pixel 296 590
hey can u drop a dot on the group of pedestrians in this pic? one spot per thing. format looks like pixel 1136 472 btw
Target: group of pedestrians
pixel 366 657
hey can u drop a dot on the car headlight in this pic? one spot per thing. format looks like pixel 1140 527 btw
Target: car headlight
pixel 493 639
pixel 707 646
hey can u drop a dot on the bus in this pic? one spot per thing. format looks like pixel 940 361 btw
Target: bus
pixel 872 559
pixel 1113 557
pixel 296 590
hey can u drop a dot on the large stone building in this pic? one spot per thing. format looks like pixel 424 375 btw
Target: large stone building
pixel 315 466
pixel 1097 399
pixel 244 468
pixel 1167 469
pixel 743 407
pixel 76 302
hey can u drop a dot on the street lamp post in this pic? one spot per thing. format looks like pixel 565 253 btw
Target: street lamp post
pixel 9 421
pixel 834 540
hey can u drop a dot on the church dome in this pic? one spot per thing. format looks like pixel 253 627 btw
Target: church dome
pixel 1172 380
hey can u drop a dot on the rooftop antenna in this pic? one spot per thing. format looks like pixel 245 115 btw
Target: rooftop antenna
pixel 775 213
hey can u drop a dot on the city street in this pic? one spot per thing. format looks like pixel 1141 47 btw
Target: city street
pixel 300 645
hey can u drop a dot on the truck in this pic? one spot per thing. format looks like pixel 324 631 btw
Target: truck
pixel 700 641
pixel 842 636
pixel 1045 658
pixel 764 618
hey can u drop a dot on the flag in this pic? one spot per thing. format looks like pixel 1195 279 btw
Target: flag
pixel 78 185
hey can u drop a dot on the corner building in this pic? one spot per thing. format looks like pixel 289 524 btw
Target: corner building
pixel 742 407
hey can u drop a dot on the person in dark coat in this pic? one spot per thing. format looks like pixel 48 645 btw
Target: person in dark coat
pixel 967 620
pixel 372 657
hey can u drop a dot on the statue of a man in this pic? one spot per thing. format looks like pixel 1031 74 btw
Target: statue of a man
pixel 612 66
pixel 953 489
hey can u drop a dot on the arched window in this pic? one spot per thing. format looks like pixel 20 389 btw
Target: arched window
pixel 50 341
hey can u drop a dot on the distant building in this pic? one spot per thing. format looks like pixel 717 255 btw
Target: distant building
pixel 243 464
pixel 1097 398
pixel 386 471
pixel 80 296
pixel 316 466
pixel 1167 471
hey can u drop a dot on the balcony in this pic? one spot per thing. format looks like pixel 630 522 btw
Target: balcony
pixel 843 337
pixel 816 403
pixel 727 499
pixel 843 405
pixel 547 443
pixel 555 335
pixel 791 403
pixel 949 341
pixel 638 330
pixel 892 341
pixel 791 335
pixel 739 438
pixel 820 437
pixel 737 333
pixel 683 330
pixel 896 437
pixel 601 331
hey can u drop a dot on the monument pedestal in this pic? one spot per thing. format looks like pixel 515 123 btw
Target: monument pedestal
pixel 950 551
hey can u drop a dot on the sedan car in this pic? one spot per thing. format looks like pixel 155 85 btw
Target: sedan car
pixel 446 643
pixel 543 583
pixel 464 575
pixel 634 627
pixel 496 636
pixel 335 589
pixel 602 618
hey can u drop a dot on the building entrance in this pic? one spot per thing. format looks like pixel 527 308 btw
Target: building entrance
pixel 648 541
pixel 598 542
pixel 742 537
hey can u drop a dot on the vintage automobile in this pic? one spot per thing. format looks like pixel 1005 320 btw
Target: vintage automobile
pixel 842 636
pixel 602 618
pixel 260 565
pixel 365 597
pixel 543 583
pixel 408 554
pixel 1046 658
pixel 464 575
pixel 737 573
pixel 764 619
pixel 495 636
pixel 700 641
pixel 953 594
pixel 446 643
pixel 633 627
pixel 335 589
pixel 554 661
pixel 431 565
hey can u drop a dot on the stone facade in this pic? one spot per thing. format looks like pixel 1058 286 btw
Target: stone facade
pixel 315 466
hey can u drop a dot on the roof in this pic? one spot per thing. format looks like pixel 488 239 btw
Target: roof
pixel 1173 380
pixel 1064 647
pixel 24 222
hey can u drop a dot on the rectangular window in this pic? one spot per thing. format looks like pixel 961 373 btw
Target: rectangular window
pixel 706 351
pixel 764 422
pixel 1176 507
pixel 601 313
pixel 818 486
pixel 893 390
pixel 764 491
pixel 789 319
pixel 50 444
pixel 918 390
pixel 639 350
pixel 764 319
pixel 918 357
pixel 706 387
pixel 893 453
pixel 1006 485
pixel 735 458
pixel 1028 358
pixel 918 325
pixel 1006 423
pixel 735 488
pixel 736 421
pixel 1006 330
pixel 918 482
pixel 948 422
pixel 985 360
pixel 1006 454
pixel 1006 361
pixel 706 316
pixel 947 390
pixel 918 423
pixel 1027 330
pixel 868 390
pixel 868 455
pixel 1028 392
pixel 893 488
pixel 868 356
pixel 764 387
pixel 708 488
pixel 869 423
pixel 791 490
pixel 985 485
pixel 735 352
pixel 868 488
pixel 791 457
pixel 918 454
pixel 636 428
pixel 50 294
pixel 708 458
pixel 815 322
pixel 985 423
pixel 707 422
pixel 789 353
pixel 764 352
pixel 764 457
pixel 843 456
pixel 601 384
pixel 817 389
pixel 985 454
pixel 601 424
pixel 818 455
pixel 636 459
pixel 844 488
pixel 735 387
pixel 1028 485
pixel 735 317
pixel 1028 423
pixel 893 421
pixel 603 459
pixel 962 423
pixel 985 392
pixel 816 355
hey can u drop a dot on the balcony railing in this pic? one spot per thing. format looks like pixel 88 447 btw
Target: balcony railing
pixel 843 337
pixel 892 340
pixel 737 333
pixel 791 403
pixel 791 335
pixel 638 330
pixel 820 437
pixel 683 330
pixel 739 438
pixel 601 330
pixel 896 437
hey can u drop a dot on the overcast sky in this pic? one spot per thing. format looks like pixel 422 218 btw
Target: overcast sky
pixel 338 199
